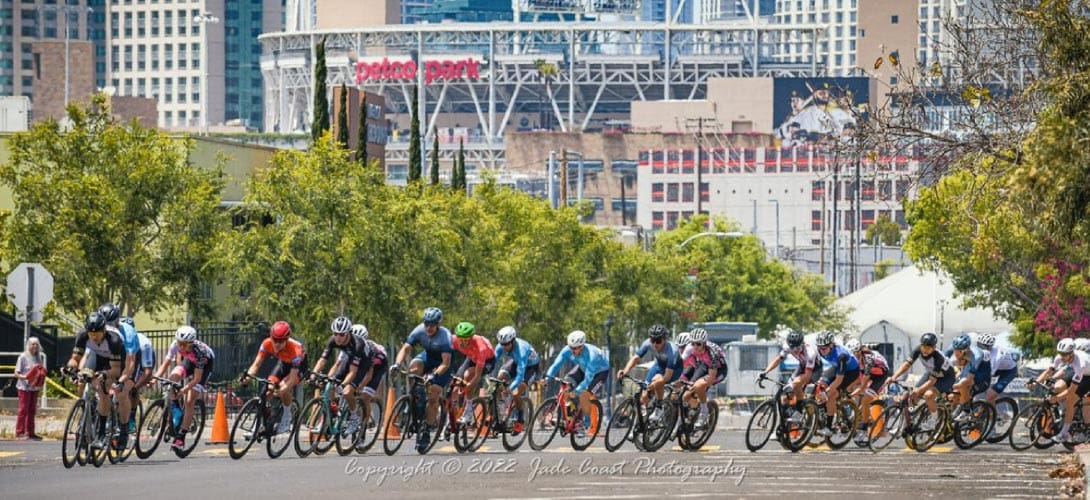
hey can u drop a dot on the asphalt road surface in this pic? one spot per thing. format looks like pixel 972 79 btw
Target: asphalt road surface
pixel 723 469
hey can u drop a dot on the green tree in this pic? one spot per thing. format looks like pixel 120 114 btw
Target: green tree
pixel 415 161
pixel 881 269
pixel 321 100
pixel 435 158
pixel 1010 226
pixel 884 231
pixel 342 118
pixel 459 178
pixel 361 133
pixel 115 212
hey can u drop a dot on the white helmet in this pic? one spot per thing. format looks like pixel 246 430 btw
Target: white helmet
pixel 988 340
pixel 506 334
pixel 341 325
pixel 360 331
pixel 1065 346
pixel 1082 344
pixel 185 333
pixel 577 338
pixel 854 345
pixel 698 335
pixel 683 339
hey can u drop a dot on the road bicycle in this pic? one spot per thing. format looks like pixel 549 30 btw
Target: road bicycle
pixel 407 418
pixel 778 415
pixel 901 418
pixel 690 435
pixel 259 420
pixel 966 433
pixel 1037 424
pixel 631 421
pixel 495 416
pixel 560 415
pixel 81 425
pixel 160 425
pixel 845 422
pixel 328 420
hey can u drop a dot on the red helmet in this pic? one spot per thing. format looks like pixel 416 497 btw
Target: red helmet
pixel 280 330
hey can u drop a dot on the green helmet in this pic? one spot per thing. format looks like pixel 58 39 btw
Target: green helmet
pixel 464 330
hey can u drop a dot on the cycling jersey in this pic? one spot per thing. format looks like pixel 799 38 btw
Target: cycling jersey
pixel 807 356
pixel 838 357
pixel 978 365
pixel 355 348
pixel 434 345
pixel 936 365
pixel 479 350
pixel 666 358
pixel 524 355
pixel 591 360
pixel 110 348
pixel 199 354
pixel 147 352
pixel 1079 365
pixel 293 353
pixel 874 364
pixel 713 358
pixel 378 353
pixel 128 333
pixel 1002 359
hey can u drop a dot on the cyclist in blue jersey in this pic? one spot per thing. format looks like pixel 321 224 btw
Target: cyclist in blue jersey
pixel 145 368
pixel 841 371
pixel 589 374
pixel 521 368
pixel 666 369
pixel 975 375
pixel 434 361
pixel 125 382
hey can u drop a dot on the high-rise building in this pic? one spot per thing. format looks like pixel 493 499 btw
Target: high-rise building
pixel 721 10
pixel 836 50
pixel 467 11
pixel 411 10
pixel 24 22
pixel 656 10
pixel 192 58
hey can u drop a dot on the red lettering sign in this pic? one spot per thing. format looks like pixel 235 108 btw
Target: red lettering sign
pixel 407 70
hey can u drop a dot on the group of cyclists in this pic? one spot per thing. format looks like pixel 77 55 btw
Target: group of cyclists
pixel 110 346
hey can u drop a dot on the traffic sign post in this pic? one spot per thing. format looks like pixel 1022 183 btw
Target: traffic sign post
pixel 30 288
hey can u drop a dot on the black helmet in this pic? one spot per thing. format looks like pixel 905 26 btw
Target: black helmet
pixel 110 312
pixel 794 339
pixel 929 339
pixel 95 322
pixel 657 331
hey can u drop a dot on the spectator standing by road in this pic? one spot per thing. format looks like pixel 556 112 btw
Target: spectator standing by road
pixel 30 373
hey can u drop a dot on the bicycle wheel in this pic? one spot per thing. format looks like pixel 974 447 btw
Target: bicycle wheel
pixel 656 434
pixel 196 429
pixel 844 425
pixel 1047 425
pixel 761 425
pixel 441 424
pixel 149 429
pixel 1005 411
pixel 698 437
pixel 972 432
pixel 370 427
pixel 73 439
pixel 349 434
pixel 113 430
pixel 313 427
pixel 399 427
pixel 887 427
pixel 514 429
pixel 592 422
pixel 245 431
pixel 544 426
pixel 622 425
pixel 923 439
pixel 797 434
pixel 471 435
pixel 277 442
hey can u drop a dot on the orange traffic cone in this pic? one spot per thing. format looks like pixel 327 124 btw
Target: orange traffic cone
pixel 389 414
pixel 219 423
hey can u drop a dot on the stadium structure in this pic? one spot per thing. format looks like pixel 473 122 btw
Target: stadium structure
pixel 577 76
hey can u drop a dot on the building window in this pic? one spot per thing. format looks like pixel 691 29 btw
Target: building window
pixel 815 220
pixel 894 19
pixel 687 192
pixel 657 192
pixel 672 192
pixel 752 358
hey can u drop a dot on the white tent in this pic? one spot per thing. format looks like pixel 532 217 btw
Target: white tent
pixel 898 309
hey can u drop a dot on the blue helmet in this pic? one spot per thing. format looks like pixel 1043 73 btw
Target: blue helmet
pixel 433 315
pixel 961 342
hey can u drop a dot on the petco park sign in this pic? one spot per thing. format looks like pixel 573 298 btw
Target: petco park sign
pixel 386 69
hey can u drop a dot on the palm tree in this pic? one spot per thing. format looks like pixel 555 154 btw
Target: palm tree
pixel 547 72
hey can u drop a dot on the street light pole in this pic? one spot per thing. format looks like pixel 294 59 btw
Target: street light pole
pixel 204 19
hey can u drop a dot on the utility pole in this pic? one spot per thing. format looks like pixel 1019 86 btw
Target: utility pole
pixel 624 208
pixel 696 125
pixel 777 202
pixel 551 173
pixel 563 177
pixel 836 219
